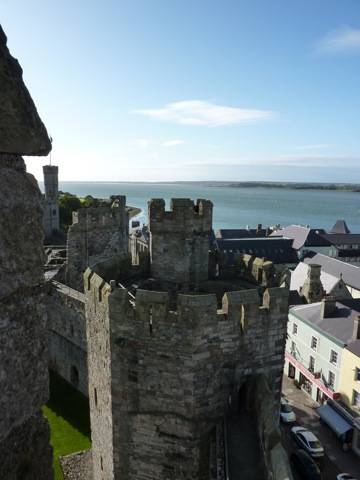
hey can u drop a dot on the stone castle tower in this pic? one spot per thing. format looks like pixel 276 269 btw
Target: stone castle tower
pixel 96 233
pixel 51 202
pixel 171 341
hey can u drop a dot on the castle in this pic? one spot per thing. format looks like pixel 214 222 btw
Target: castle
pixel 173 335
pixel 171 341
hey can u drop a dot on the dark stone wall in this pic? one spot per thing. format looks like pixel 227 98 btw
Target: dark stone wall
pixel 25 450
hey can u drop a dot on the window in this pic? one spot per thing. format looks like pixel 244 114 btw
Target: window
pixel 314 342
pixel 331 381
pixel 333 357
pixel 356 399
pixel 357 374
pixel 293 349
pixel 295 328
pixel 311 364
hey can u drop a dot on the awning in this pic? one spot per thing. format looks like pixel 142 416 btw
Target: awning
pixel 333 419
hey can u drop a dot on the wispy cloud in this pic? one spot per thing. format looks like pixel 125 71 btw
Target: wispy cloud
pixel 141 142
pixel 172 143
pixel 341 40
pixel 301 160
pixel 313 147
pixel 202 113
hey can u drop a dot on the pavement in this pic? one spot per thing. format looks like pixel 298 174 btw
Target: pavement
pixel 305 408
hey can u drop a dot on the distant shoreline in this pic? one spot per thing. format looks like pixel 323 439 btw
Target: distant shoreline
pixel 343 187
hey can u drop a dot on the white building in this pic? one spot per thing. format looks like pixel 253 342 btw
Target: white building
pixel 317 336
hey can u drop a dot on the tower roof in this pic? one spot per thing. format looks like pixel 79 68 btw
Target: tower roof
pixel 340 228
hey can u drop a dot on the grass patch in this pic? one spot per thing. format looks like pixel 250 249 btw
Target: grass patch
pixel 68 414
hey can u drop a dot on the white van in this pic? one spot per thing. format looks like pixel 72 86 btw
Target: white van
pixel 287 414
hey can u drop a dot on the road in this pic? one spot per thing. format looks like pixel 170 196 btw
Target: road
pixel 329 470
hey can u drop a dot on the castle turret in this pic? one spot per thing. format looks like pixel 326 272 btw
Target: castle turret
pixel 51 183
pixel 179 241
pixel 51 219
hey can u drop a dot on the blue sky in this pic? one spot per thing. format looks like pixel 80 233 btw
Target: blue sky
pixel 164 90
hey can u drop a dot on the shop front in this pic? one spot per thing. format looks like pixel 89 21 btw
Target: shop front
pixel 310 382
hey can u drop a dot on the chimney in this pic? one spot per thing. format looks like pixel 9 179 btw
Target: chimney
pixel 328 306
pixel 356 331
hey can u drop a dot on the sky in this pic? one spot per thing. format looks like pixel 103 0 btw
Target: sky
pixel 179 90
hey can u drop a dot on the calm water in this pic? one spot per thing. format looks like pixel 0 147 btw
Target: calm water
pixel 238 207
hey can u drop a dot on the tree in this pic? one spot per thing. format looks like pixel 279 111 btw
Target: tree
pixel 68 203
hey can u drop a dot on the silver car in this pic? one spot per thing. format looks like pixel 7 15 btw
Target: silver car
pixel 307 441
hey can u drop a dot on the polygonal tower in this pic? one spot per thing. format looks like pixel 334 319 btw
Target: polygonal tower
pixel 51 202
pixel 167 358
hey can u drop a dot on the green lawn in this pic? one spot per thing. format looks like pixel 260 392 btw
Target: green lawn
pixel 68 414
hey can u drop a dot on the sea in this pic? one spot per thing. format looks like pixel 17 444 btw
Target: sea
pixel 237 207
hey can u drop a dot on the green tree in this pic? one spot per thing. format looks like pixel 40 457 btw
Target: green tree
pixel 68 203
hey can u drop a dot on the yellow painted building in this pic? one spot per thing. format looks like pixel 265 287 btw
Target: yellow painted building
pixel 349 387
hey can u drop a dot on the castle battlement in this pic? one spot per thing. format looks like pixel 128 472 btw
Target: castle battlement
pixel 107 214
pixel 184 215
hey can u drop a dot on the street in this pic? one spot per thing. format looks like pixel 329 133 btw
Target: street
pixel 329 470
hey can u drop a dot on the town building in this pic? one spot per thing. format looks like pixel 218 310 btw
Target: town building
pixel 312 283
pixel 337 269
pixel 349 389
pixel 317 336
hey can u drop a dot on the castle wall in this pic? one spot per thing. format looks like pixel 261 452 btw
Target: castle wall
pixel 67 327
pixel 25 450
pixel 96 234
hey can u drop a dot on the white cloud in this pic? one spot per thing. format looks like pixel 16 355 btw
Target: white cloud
pixel 141 142
pixel 172 143
pixel 198 112
pixel 299 160
pixel 341 40
pixel 317 146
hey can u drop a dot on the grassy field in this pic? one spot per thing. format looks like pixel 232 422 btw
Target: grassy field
pixel 68 414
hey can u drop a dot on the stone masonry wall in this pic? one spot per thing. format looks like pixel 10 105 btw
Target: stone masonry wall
pixel 25 450
pixel 95 235
pixel 161 379
pixel 67 327
pixel 179 241
pixel 24 434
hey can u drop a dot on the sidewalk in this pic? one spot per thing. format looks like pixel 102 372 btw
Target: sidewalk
pixel 306 416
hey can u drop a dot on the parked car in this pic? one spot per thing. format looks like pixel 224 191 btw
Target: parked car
pixel 287 414
pixel 306 466
pixel 345 476
pixel 307 441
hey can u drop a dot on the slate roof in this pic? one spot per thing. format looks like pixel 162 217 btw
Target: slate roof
pixel 240 233
pixel 303 236
pixel 299 275
pixel 342 238
pixel 276 250
pixel 350 273
pixel 340 227
pixel 339 325
pixel 354 347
